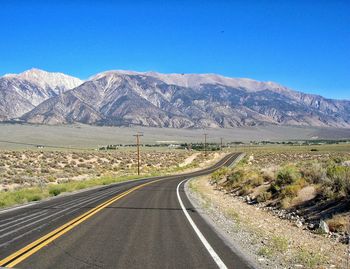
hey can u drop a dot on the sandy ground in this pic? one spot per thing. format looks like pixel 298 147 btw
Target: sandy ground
pixel 189 160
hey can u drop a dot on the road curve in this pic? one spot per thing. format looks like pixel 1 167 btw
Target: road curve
pixel 148 223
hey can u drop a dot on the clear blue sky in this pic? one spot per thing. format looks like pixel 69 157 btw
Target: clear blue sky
pixel 302 44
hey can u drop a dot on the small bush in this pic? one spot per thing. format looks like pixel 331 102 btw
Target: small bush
pixel 309 259
pixel 269 175
pixel 339 179
pixel 246 189
pixel 265 252
pixel 279 243
pixel 338 223
pixel 256 179
pixel 292 190
pixel 287 175
pixel 219 175
pixel 286 202
pixel 235 177
pixel 314 173
pixel 35 197
pixel 264 196
pixel 56 190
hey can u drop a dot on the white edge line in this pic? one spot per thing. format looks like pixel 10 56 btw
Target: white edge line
pixel 206 244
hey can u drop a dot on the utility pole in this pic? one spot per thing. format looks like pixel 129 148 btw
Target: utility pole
pixel 221 143
pixel 205 144
pixel 138 152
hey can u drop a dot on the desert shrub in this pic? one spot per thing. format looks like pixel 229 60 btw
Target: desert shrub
pixel 279 243
pixel 287 175
pixel 337 160
pixel 269 174
pixel 339 179
pixel 292 190
pixel 265 251
pixel 338 223
pixel 56 190
pixel 327 192
pixel 264 196
pixel 256 179
pixel 34 197
pixel 246 189
pixel 309 259
pixel 286 202
pixel 219 174
pixel 235 177
pixel 45 170
pixel 50 178
pixel 314 172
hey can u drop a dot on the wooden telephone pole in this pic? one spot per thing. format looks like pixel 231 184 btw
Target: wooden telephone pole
pixel 138 152
pixel 205 144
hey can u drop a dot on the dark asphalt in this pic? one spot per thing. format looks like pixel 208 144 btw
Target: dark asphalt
pixel 145 229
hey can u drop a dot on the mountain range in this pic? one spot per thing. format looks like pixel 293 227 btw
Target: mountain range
pixel 126 98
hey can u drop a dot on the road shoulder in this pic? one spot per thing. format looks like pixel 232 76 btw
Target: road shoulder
pixel 212 218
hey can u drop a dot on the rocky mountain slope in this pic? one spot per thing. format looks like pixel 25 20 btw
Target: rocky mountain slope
pixel 186 100
pixel 20 93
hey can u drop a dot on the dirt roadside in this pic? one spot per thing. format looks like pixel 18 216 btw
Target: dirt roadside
pixel 268 240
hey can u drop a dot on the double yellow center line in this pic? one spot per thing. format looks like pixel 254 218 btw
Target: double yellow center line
pixel 30 249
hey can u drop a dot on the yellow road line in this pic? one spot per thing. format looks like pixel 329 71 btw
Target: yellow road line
pixel 33 247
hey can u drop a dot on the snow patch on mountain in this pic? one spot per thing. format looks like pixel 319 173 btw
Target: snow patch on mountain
pixel 59 82
pixel 196 80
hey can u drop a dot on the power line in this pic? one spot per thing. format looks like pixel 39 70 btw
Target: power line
pixel 40 145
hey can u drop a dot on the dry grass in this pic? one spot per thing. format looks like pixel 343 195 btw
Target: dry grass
pixel 339 223
pixel 27 176
pixel 20 169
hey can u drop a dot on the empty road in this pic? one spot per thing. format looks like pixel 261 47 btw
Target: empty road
pixel 148 223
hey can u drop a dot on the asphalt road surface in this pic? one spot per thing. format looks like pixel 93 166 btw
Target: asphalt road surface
pixel 148 223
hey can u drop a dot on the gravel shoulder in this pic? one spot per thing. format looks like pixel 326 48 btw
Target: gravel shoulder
pixel 264 239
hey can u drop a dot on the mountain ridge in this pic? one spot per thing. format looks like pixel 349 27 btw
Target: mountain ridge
pixel 120 97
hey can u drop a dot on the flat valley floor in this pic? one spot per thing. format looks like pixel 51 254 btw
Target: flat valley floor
pixel 91 137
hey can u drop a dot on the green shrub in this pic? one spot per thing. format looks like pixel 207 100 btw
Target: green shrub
pixel 339 179
pixel 56 190
pixel 274 188
pixel 287 175
pixel 219 174
pixel 279 244
pixel 257 181
pixel 35 197
pixel 292 190
pixel 236 176
pixel 309 259
pixel 265 252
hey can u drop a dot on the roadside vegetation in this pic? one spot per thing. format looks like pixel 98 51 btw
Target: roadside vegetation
pixel 316 183
pixel 284 206
pixel 27 176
